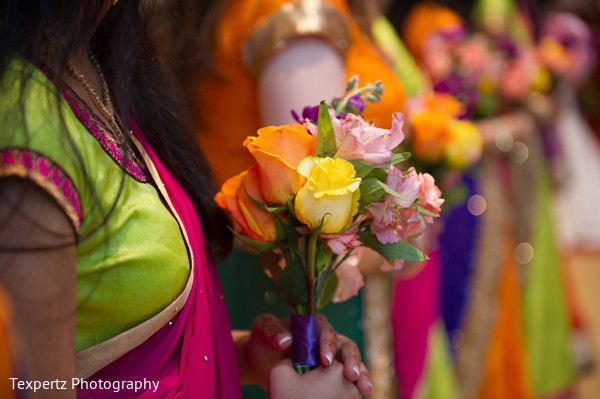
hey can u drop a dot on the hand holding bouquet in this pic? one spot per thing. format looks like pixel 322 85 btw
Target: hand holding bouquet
pixel 319 190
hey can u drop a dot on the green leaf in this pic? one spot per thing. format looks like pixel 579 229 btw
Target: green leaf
pixel 378 174
pixel 260 204
pixel 399 157
pixel 328 291
pixel 424 211
pixel 363 168
pixel 255 245
pixel 280 228
pixel 326 146
pixel 290 206
pixel 323 258
pixel 372 189
pixel 293 287
pixel 396 251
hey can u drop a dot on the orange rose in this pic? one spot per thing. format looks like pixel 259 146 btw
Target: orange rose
pixel 249 218
pixel 278 150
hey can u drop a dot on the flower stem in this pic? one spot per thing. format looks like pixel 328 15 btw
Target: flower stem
pixel 310 270
pixel 300 369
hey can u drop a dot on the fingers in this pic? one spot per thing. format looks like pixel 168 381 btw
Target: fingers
pixel 328 341
pixel 350 357
pixel 364 381
pixel 322 382
pixel 272 332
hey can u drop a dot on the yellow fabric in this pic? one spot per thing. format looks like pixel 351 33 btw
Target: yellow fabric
pixel 227 101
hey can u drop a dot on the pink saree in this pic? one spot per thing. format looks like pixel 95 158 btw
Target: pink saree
pixel 192 355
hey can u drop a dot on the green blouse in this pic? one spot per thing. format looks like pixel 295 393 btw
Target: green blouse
pixel 131 256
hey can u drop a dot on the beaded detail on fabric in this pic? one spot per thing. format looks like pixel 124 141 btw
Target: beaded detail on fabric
pixel 106 137
pixel 41 170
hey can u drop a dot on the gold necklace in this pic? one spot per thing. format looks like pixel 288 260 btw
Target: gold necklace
pixel 105 107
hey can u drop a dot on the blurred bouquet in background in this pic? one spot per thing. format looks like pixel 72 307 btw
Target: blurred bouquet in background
pixel 567 48
pixel 438 135
pixel 320 189
pixel 489 73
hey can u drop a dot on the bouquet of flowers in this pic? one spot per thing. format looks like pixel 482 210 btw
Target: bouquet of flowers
pixel 567 47
pixel 439 135
pixel 319 190
pixel 490 73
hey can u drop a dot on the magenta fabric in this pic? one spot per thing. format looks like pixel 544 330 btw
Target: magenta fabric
pixel 194 357
pixel 415 308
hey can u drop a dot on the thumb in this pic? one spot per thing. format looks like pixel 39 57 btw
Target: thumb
pixel 282 372
pixel 271 333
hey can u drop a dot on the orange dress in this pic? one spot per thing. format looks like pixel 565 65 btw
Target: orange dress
pixel 249 33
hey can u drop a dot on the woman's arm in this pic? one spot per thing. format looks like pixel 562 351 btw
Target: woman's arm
pixel 38 269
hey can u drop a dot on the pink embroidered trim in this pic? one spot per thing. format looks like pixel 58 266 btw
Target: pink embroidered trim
pixel 46 174
pixel 106 138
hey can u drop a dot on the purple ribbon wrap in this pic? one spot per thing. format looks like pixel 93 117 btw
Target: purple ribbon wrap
pixel 305 339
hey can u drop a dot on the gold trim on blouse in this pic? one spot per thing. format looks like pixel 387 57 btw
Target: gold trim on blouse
pixel 293 20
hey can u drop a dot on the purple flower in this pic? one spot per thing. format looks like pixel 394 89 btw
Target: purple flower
pixel 311 113
pixel 356 105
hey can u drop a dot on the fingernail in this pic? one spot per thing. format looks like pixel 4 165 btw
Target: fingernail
pixel 370 387
pixel 356 371
pixel 284 340
pixel 329 358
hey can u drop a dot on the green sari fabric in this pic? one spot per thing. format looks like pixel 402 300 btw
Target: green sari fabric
pixel 547 324
pixel 122 280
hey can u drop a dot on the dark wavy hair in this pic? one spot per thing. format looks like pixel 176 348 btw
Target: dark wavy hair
pixel 55 30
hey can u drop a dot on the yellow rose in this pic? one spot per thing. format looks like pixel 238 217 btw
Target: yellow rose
pixel 464 144
pixel 250 220
pixel 331 194
pixel 278 150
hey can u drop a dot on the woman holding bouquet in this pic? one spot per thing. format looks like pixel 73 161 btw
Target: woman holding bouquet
pixel 269 58
pixel 109 227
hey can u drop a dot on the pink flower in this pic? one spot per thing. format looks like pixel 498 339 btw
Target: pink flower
pixel 350 279
pixel 393 220
pixel 340 243
pixel 430 196
pixel 407 185
pixel 357 139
